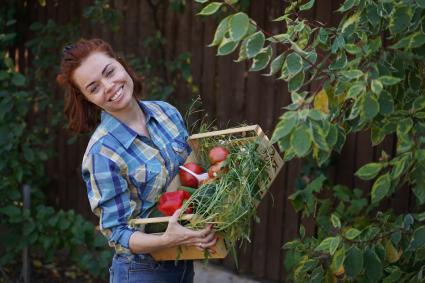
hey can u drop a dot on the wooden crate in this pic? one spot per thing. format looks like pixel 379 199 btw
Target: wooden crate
pixel 241 134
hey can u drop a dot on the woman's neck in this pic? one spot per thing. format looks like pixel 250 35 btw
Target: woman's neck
pixel 131 114
pixel 133 117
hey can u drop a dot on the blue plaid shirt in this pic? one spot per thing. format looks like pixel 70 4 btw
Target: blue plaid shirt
pixel 124 172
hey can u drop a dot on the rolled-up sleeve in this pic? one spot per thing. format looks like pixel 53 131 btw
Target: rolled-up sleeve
pixel 109 197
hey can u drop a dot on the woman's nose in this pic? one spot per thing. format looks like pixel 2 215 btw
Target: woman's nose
pixel 107 84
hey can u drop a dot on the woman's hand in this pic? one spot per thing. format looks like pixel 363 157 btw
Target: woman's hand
pixel 176 234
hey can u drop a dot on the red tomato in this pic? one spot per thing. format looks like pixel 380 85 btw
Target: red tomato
pixel 188 180
pixel 217 154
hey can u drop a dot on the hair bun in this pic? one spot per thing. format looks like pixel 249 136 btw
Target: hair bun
pixel 61 79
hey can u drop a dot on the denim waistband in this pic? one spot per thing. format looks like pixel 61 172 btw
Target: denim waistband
pixel 135 257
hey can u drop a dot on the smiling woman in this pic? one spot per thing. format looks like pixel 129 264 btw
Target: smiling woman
pixel 129 160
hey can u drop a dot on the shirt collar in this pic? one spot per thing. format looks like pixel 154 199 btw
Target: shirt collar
pixel 124 134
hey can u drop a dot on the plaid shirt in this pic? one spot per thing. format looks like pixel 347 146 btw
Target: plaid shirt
pixel 124 172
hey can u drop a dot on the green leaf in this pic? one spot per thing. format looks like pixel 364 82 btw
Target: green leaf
pixel 400 19
pixel 334 244
pixel 10 210
pixel 276 64
pixel 369 171
pixel 220 32
pixel 28 153
pixel 295 82
pixel 419 103
pixel 419 193
pixel 338 259
pixel 386 103
pixel 399 166
pixel 352 74
pixel 285 126
pixel 417 40
pixel 226 47
pixel 376 86
pixel 370 107
pixel 336 222
pixel 351 233
pixel 381 188
pixel 255 43
pixel 201 1
pixel 352 49
pixel 325 245
pixel 420 3
pixel 301 141
pixel 355 90
pixel 348 4
pixel 210 8
pixel 319 136
pixel 373 266
pixel 352 20
pixel 353 263
pixel 18 79
pixel 307 6
pixel 242 51
pixel 323 35
pixel 294 63
pixel 261 60
pixel 418 239
pixel 389 80
pixel 238 26
pixel 404 126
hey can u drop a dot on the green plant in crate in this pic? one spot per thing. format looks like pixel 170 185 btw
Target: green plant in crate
pixel 365 74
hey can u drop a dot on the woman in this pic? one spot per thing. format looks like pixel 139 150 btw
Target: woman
pixel 132 156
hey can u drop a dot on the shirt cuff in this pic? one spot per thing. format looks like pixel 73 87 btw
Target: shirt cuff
pixel 125 237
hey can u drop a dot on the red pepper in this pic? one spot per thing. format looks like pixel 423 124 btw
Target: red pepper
pixel 169 202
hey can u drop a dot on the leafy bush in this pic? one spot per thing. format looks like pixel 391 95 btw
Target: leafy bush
pixel 60 242
pixel 365 74
pixel 29 121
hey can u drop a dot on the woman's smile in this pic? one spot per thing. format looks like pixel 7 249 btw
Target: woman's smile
pixel 118 95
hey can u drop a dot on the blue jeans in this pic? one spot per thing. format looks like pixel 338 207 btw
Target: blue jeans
pixel 144 269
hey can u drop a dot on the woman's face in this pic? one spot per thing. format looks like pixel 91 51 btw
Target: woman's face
pixel 104 82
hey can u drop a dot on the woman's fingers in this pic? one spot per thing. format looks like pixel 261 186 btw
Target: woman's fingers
pixel 208 238
pixel 175 216
pixel 207 245
pixel 201 233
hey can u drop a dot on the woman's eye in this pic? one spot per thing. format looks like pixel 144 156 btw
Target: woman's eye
pixel 93 90
pixel 110 72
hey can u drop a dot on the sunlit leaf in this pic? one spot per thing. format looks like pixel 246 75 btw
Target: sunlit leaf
pixel 321 101
pixel 381 188
pixel 220 32
pixel 238 26
pixel 301 140
pixel 294 63
pixel 210 9
pixel 255 43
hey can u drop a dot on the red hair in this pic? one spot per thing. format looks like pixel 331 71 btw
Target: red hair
pixel 82 115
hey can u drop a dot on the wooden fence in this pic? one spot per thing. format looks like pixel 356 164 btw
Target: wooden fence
pixel 232 95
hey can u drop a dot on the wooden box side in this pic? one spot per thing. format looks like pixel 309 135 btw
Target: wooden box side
pixel 191 252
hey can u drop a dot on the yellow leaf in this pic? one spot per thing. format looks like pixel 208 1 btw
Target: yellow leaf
pixel 391 253
pixel 340 272
pixel 321 101
pixel 37 263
